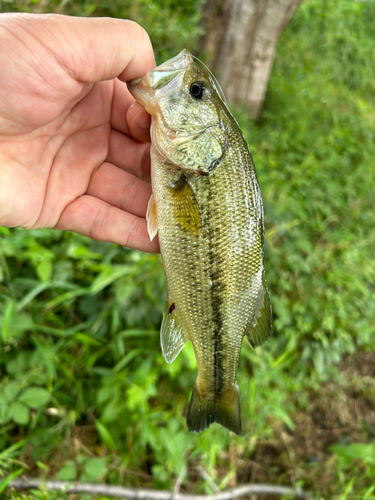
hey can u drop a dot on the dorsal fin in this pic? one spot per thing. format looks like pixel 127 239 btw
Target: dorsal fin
pixel 259 326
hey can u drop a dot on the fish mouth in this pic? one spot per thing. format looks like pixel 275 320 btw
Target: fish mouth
pixel 160 81
pixel 143 93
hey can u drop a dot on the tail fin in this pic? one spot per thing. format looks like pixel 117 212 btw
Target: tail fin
pixel 204 409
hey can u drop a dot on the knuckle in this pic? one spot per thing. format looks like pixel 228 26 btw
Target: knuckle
pixel 146 163
pixel 129 192
pixel 99 223
pixel 143 37
pixel 132 231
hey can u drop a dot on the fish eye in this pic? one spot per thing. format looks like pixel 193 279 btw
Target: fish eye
pixel 197 89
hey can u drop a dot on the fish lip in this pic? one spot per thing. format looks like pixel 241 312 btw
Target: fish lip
pixel 180 62
pixel 134 82
pixel 144 89
pixel 140 89
pixel 135 86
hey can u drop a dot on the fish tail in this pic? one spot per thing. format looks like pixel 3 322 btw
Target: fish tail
pixel 204 409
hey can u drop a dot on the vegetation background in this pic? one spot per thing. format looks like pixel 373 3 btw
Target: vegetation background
pixel 84 391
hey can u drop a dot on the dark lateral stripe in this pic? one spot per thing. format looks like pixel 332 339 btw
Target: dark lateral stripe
pixel 217 297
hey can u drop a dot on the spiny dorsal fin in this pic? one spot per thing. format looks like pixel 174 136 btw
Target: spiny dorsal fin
pixel 152 218
pixel 172 338
pixel 259 327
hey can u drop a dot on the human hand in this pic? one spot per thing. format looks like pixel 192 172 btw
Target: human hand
pixel 74 150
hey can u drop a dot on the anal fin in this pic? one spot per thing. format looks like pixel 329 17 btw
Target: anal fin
pixel 172 338
pixel 152 218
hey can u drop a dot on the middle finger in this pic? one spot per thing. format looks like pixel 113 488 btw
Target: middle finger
pixel 129 155
pixel 120 189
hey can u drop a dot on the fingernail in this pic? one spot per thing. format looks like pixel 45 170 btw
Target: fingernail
pixel 142 119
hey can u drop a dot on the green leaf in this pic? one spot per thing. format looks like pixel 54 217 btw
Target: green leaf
pixel 93 469
pixel 105 435
pixel 109 276
pixel 35 397
pixel 4 482
pixel 11 390
pixel 11 451
pixel 42 466
pixel 359 451
pixel 68 472
pixel 284 416
pixel 20 413
pixel 44 270
pixel 31 295
pixel 6 320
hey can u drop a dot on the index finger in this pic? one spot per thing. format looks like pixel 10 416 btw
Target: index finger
pixel 95 49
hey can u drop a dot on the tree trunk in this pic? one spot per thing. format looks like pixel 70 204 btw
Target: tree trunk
pixel 241 36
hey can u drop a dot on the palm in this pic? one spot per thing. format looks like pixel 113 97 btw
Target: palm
pixel 68 156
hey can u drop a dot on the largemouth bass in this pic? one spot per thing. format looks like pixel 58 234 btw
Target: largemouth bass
pixel 207 209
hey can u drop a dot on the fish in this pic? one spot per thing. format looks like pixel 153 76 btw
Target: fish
pixel 207 209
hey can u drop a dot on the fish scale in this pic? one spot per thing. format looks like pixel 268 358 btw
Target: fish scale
pixel 207 209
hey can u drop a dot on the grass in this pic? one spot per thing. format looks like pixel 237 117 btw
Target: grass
pixel 85 393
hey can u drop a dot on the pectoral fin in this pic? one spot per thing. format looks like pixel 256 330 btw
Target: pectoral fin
pixel 152 218
pixel 185 206
pixel 172 338
pixel 259 327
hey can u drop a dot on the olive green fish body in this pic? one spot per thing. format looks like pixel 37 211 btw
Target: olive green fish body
pixel 209 218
